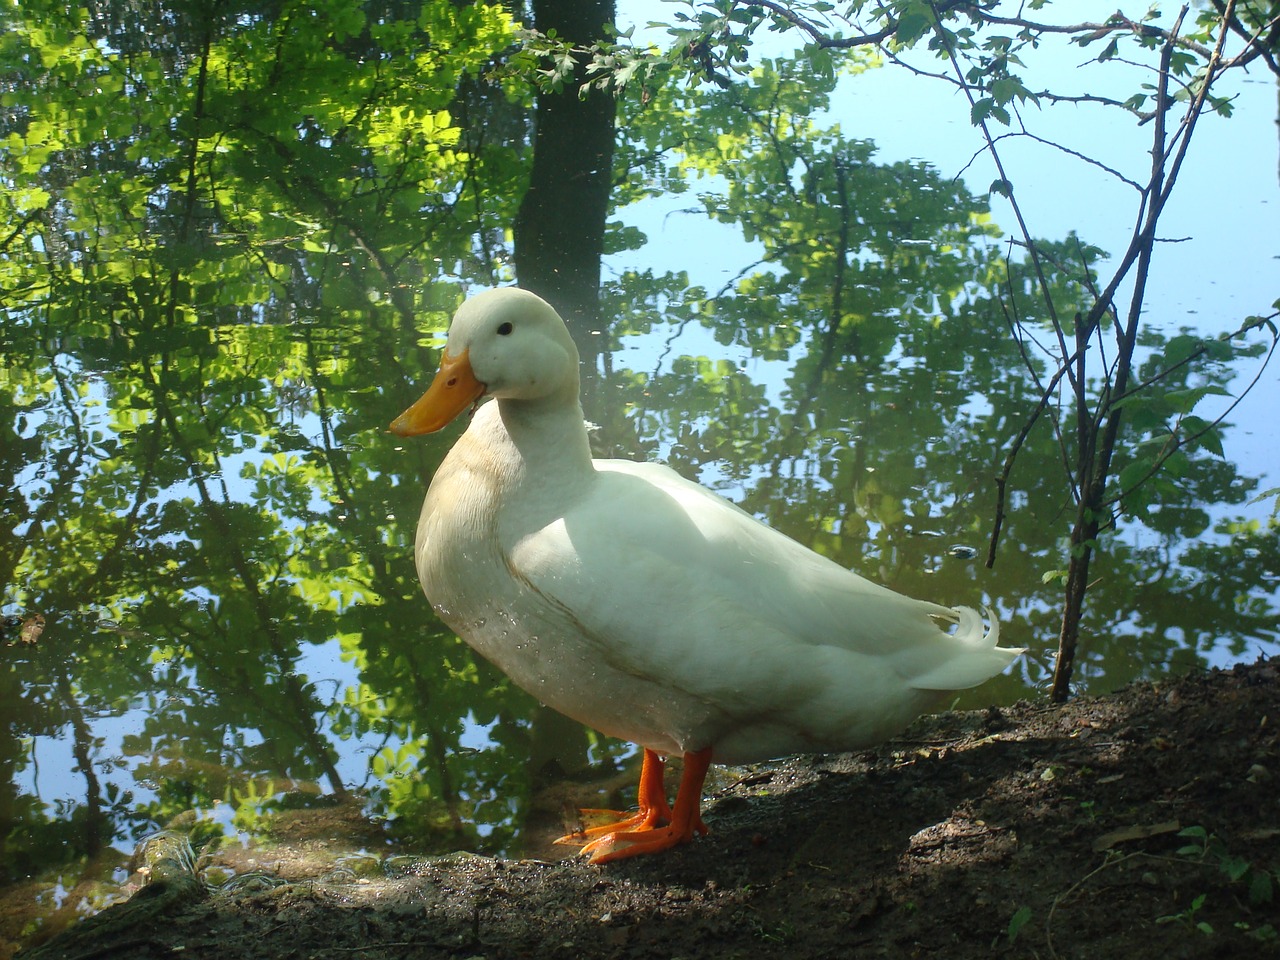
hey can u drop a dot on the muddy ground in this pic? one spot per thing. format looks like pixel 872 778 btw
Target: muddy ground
pixel 1140 825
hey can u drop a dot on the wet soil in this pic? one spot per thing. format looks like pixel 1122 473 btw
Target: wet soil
pixel 1144 824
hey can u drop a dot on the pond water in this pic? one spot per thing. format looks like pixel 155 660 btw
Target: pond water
pixel 211 618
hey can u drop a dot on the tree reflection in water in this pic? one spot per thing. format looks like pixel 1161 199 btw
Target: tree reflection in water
pixel 232 245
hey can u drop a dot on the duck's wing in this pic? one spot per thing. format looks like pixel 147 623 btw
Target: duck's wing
pixel 660 568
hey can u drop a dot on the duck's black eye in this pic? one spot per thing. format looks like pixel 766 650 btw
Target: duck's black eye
pixel 504 329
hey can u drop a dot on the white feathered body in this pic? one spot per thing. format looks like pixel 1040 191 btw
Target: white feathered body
pixel 652 610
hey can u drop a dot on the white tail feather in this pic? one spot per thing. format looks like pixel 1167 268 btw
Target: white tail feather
pixel 972 654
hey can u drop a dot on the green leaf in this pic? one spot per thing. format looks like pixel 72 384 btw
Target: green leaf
pixel 1266 494
pixel 913 23
pixel 1235 867
pixel 1211 440
pixel 1017 922
pixel 1181 348
pixel 1261 888
pixel 1134 475
pixel 1206 434
pixel 1005 89
pixel 1135 102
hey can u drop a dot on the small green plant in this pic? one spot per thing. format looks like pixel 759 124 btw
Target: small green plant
pixel 1188 917
pixel 782 933
pixel 1208 848
pixel 1263 934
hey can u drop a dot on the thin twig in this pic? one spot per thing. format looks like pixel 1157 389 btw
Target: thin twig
pixel 1060 898
pixel 1173 444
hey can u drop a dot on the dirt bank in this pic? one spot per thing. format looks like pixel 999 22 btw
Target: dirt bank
pixel 1140 825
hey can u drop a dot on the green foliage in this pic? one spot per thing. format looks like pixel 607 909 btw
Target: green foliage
pixel 707 41
pixel 219 226
pixel 1208 849
pixel 1205 847
pixel 713 41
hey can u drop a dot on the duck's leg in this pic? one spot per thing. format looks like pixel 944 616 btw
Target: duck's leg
pixel 651 799
pixel 686 819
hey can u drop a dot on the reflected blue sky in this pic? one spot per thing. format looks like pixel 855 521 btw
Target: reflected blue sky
pixel 1221 265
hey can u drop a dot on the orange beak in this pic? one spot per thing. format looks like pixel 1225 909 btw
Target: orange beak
pixel 454 388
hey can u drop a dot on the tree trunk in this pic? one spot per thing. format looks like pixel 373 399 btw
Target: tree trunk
pixel 559 230
pixel 559 241
pixel 1083 535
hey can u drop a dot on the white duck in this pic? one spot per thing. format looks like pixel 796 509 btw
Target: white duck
pixel 642 604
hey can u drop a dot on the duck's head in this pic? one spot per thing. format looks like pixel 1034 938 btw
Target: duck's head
pixel 507 343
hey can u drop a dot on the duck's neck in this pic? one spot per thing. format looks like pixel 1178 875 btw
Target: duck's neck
pixel 550 438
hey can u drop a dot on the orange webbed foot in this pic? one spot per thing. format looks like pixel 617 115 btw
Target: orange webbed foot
pixel 643 838
pixel 651 799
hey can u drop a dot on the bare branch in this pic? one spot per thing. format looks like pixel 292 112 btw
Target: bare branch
pixel 1002 481
pixel 1092 161
pixel 1116 23
pixel 1258 43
